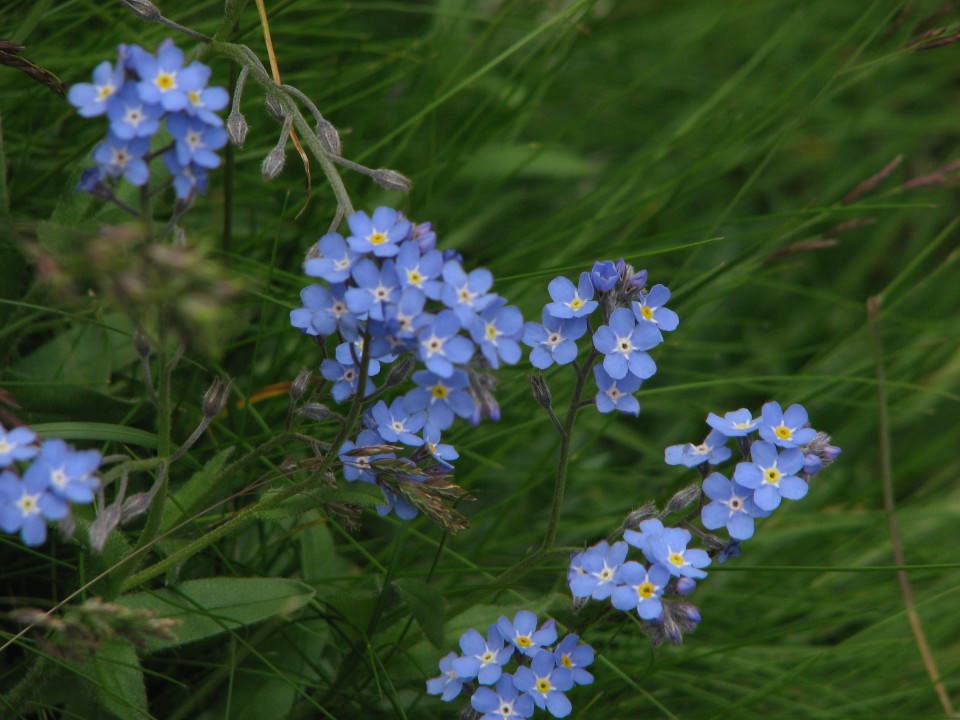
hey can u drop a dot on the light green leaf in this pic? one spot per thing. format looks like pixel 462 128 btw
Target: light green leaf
pixel 187 499
pixel 117 680
pixel 427 605
pixel 212 606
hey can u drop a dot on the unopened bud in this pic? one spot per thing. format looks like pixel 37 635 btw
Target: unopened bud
pixel 140 344
pixel 392 180
pixel 644 512
pixel 67 527
pixel 541 391
pixel 299 385
pixel 273 163
pixel 329 137
pixel 134 506
pixel 237 128
pixel 103 525
pixel 400 372
pixel 683 498
pixel 216 397
pixel 275 108
pixel 316 411
pixel 812 464
pixel 143 9
pixel 686 586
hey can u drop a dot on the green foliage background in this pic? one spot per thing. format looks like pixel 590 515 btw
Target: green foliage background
pixel 710 142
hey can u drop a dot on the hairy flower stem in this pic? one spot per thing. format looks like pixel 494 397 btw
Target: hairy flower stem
pixel 267 500
pixel 560 481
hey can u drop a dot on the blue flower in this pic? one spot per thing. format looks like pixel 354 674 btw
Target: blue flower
pixel 505 703
pixel 651 529
pixel 448 684
pixel 670 550
pixel 569 300
pixel 649 308
pixel 396 504
pixel 397 423
pixel 441 397
pixel 187 179
pixel 401 319
pixel 120 157
pixel 196 141
pixel 732 506
pixel 616 394
pixel 68 473
pixel 640 589
pixel 786 429
pixel 523 634
pixel 772 476
pixel 91 99
pixel 466 294
pixel 420 270
pixel 335 260
pixel 482 659
pixel 623 342
pixel 596 569
pixel 604 275
pixel 376 288
pixel 357 467
pixel 545 683
pixel 381 234
pixel 203 102
pixel 439 345
pixel 345 378
pixel 737 423
pixel 496 330
pixel 130 116
pixel 554 341
pixel 163 78
pixel 16 445
pixel 712 450
pixel 575 658
pixel 26 505
pixel 323 311
pixel 441 452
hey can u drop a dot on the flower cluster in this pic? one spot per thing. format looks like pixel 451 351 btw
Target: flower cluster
pixel 633 323
pixel 544 673
pixel 136 93
pixel 777 465
pixel 389 293
pixel 56 476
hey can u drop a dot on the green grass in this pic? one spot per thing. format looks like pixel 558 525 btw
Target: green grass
pixel 699 140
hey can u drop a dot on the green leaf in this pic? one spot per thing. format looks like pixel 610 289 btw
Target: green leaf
pixel 96 431
pixel 187 499
pixel 117 680
pixel 361 494
pixel 216 605
pixel 427 605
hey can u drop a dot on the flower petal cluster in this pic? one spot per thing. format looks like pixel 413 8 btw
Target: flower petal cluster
pixel 632 323
pixel 137 94
pixel 545 671
pixel 42 491
pixel 386 293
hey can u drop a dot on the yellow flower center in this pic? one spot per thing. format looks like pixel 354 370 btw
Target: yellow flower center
pixel 491 332
pixel 488 657
pixel 576 303
pixel 543 685
pixel 105 91
pixel 566 661
pixel 524 641
pixel 676 559
pixel 166 81
pixel 5 447
pixel 194 97
pixel 771 475
pixel 646 590
pixel 439 392
pixel 646 312
pixel 28 504
pixel 783 432
pixel 415 278
pixel 377 238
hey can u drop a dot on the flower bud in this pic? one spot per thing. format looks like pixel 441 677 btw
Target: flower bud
pixel 216 397
pixel 273 163
pixel 604 275
pixel 391 180
pixel 275 108
pixel 812 464
pixel 299 385
pixel 634 518
pixel 237 128
pixel 541 391
pixel 400 371
pixel 106 521
pixel 683 498
pixel 329 137
pixel 316 411
pixel 686 586
pixel 143 9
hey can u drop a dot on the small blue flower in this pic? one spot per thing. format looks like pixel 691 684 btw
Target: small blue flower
pixel 505 703
pixel 640 589
pixel 420 270
pixel 496 331
pixel 569 300
pixel 68 473
pixel 553 341
pixel 17 445
pixel 120 157
pixel 380 234
pixel 616 394
pixel 376 288
pixel 163 78
pixel 732 506
pixel 357 467
pixel 441 452
pixel 187 179
pixel 441 397
pixel 546 684
pixel 737 423
pixel 670 550
pixel 401 319
pixel 203 102
pixel 26 505
pixel 649 309
pixel 91 99
pixel 439 345
pixel 604 275
pixel 575 657
pixel 130 116
pixel 623 343
pixel 523 634
pixel 482 659
pixel 196 141
pixel 448 685
pixel 335 260
pixel 651 529
pixel 323 311
pixel 772 476
pixel 712 450
pixel 596 570
pixel 397 423
pixel 785 429
pixel 466 294
pixel 345 378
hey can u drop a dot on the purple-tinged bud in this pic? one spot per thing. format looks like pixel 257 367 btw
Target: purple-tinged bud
pixel 424 236
pixel 639 279
pixel 686 586
pixel 830 453
pixel 730 550
pixel 812 464
pixel 604 275
pixel 691 611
